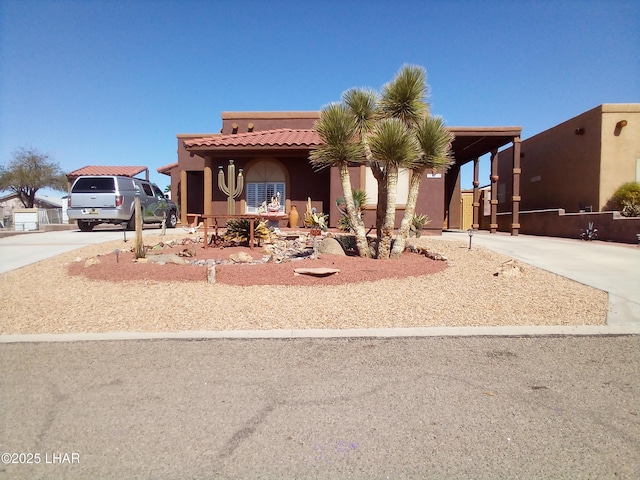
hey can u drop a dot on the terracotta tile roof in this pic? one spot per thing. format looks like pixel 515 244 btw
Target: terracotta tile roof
pixel 166 169
pixel 282 137
pixel 108 170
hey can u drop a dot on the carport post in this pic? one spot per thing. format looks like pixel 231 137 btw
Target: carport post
pixel 476 196
pixel 515 199
pixel 493 227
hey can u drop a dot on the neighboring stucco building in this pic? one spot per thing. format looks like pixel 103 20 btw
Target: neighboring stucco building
pixel 272 149
pixel 578 164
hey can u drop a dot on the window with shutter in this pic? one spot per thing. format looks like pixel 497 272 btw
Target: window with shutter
pixel 258 193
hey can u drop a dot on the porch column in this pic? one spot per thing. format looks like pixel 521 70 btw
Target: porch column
pixel 493 227
pixel 208 185
pixel 183 197
pixel 475 224
pixel 515 199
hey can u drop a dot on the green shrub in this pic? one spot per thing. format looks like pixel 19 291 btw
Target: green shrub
pixel 238 230
pixel 627 192
pixel 359 200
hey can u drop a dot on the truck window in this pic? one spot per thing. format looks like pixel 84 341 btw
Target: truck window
pixel 94 185
pixel 147 189
pixel 158 192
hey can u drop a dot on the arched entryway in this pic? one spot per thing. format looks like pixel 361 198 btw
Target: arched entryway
pixel 264 178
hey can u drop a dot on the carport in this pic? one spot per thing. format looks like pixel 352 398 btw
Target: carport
pixel 469 145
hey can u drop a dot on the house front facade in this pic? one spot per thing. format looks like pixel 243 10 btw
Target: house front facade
pixel 271 152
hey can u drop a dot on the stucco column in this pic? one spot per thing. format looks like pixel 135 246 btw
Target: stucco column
pixel 183 197
pixel 515 199
pixel 476 196
pixel 493 227
pixel 208 186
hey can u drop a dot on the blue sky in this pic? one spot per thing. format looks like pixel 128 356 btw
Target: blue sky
pixel 111 82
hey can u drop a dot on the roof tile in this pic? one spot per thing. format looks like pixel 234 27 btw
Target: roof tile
pixel 108 170
pixel 282 137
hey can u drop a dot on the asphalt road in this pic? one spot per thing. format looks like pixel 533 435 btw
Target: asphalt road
pixel 462 407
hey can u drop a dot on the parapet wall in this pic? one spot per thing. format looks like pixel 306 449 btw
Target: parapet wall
pixel 612 227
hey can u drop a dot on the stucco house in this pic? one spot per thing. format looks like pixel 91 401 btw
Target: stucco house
pixel 272 149
pixel 568 175
pixel 578 164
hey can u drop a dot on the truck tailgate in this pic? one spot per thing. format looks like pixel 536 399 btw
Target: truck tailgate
pixel 93 200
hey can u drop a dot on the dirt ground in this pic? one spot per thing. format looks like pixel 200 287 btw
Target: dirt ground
pixel 93 290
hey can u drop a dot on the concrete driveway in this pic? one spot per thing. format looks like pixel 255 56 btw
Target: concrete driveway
pixel 611 267
pixel 25 248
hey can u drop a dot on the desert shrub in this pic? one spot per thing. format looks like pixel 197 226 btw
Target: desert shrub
pixel 626 194
pixel 238 230
pixel 359 200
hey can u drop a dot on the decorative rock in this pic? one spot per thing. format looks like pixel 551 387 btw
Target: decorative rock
pixel 188 252
pixel 211 274
pixel 330 246
pixel 510 268
pixel 241 257
pixel 316 272
pixel 428 253
pixel 91 261
pixel 165 258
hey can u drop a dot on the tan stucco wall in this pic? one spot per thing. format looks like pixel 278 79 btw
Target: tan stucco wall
pixel 620 148
pixel 560 168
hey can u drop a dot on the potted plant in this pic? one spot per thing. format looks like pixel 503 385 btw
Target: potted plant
pixel 317 222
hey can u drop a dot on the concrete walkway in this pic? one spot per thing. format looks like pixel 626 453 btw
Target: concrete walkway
pixel 611 267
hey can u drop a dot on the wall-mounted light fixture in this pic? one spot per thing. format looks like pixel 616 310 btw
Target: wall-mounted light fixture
pixel 621 123
pixel 580 131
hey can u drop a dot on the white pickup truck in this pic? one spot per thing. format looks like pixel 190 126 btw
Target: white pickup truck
pixel 110 199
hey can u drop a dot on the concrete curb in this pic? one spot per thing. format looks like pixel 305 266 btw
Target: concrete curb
pixel 507 331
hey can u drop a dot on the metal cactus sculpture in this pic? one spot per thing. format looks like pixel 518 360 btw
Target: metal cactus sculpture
pixel 234 187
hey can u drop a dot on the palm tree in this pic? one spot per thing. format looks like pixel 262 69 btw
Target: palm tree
pixel 435 142
pixel 338 129
pixel 395 146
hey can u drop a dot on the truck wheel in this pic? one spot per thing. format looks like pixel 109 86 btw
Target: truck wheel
pixel 131 224
pixel 85 226
pixel 172 219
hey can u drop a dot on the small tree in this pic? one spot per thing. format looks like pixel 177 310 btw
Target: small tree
pixel 386 132
pixel 29 171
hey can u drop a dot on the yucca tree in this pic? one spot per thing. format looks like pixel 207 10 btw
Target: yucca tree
pixel 403 98
pixel 363 103
pixel 338 129
pixel 395 146
pixel 435 143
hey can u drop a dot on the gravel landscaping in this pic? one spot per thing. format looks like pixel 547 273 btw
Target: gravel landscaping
pixel 68 294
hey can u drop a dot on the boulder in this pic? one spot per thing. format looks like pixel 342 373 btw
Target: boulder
pixel 510 268
pixel 163 259
pixel 241 257
pixel 91 261
pixel 330 246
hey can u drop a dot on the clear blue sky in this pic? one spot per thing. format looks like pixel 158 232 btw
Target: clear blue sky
pixel 104 82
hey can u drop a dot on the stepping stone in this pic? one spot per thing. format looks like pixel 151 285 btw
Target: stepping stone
pixel 316 272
